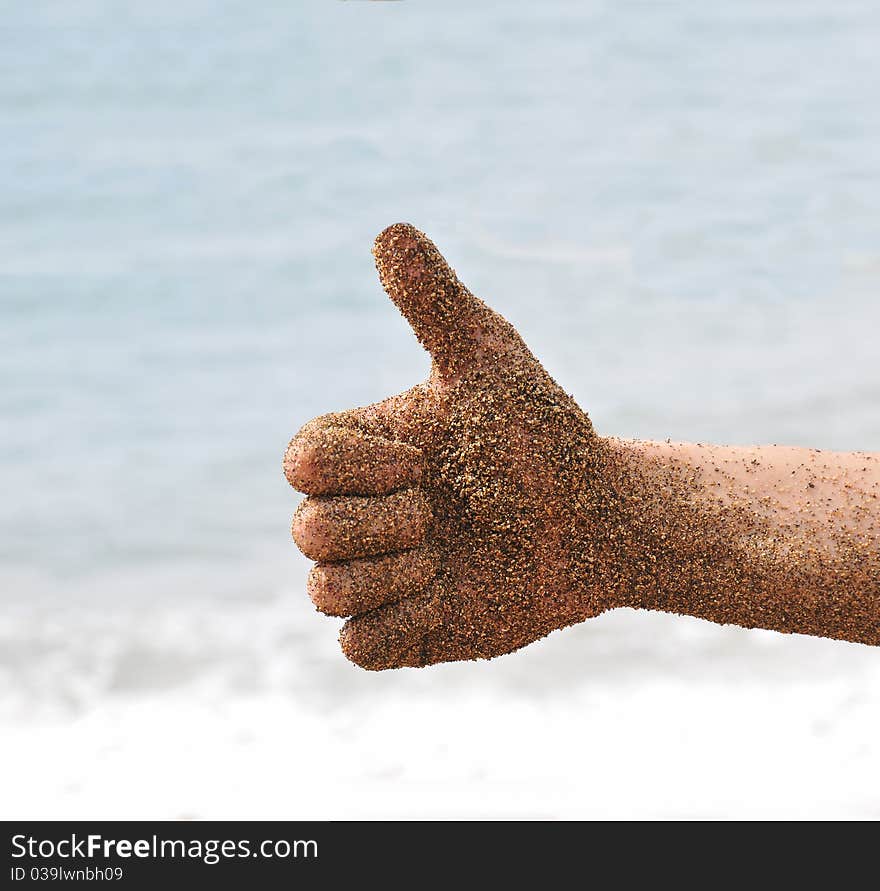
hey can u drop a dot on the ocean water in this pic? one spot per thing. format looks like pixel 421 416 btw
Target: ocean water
pixel 675 203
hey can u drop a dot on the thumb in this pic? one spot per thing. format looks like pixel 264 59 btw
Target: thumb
pixel 455 327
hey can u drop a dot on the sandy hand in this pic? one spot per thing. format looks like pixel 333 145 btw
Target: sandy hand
pixel 460 519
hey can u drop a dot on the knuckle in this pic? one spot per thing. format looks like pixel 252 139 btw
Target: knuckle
pixel 324 592
pixel 306 529
pixel 298 462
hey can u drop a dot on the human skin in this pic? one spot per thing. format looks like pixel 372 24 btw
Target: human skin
pixel 479 511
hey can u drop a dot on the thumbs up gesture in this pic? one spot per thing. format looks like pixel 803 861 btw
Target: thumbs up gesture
pixel 452 521
pixel 479 511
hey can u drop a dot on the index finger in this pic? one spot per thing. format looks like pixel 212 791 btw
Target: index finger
pixel 331 460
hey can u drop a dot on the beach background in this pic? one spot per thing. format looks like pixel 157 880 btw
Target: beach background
pixel 677 205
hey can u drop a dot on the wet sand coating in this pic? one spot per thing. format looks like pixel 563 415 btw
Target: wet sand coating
pixel 480 511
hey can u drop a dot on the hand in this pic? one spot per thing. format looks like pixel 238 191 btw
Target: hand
pixel 468 516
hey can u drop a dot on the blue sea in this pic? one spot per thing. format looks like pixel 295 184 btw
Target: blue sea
pixel 676 203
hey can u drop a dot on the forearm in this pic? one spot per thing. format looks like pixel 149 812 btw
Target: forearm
pixel 772 537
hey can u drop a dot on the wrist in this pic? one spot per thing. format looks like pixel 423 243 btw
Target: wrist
pixel 643 530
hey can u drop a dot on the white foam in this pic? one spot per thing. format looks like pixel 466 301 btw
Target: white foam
pixel 250 711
